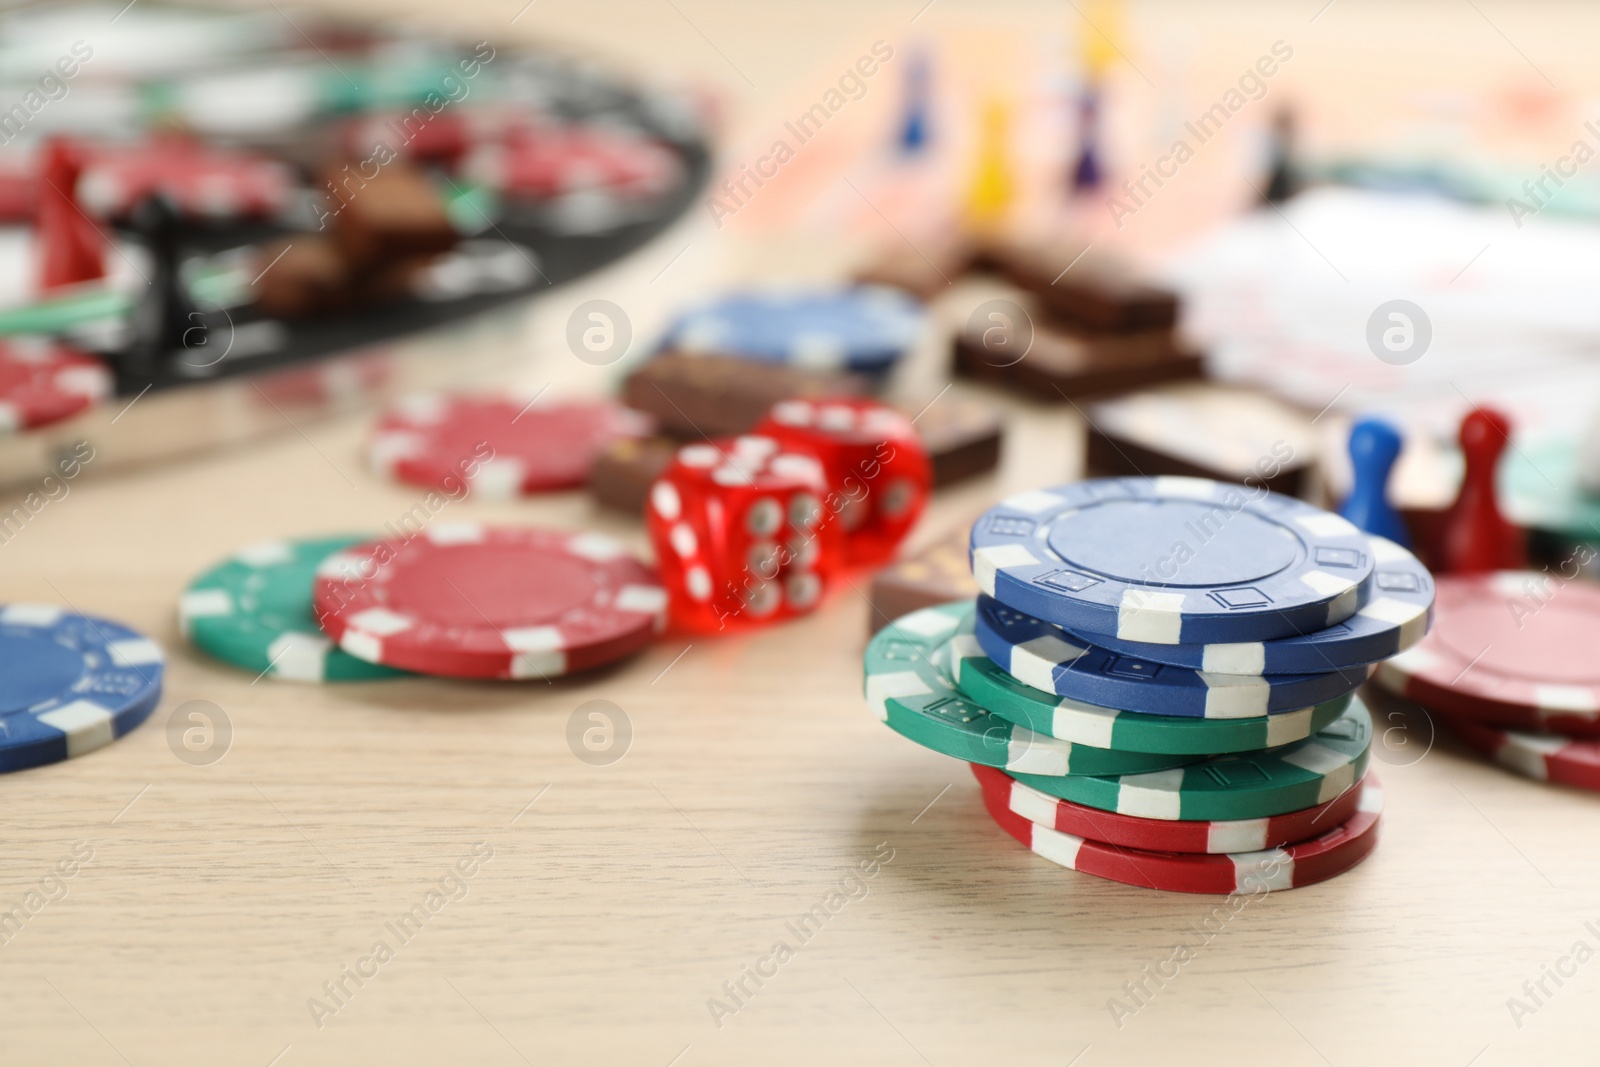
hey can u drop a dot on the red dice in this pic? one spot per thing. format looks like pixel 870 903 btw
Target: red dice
pixel 878 472
pixel 740 533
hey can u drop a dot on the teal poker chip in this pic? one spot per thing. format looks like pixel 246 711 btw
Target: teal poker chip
pixel 1083 723
pixel 254 611
pixel 1539 487
pixel 1254 785
pixel 909 684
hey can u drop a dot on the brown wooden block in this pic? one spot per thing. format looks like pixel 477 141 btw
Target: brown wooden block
pixel 924 272
pixel 621 476
pixel 1203 430
pixel 1096 291
pixel 936 575
pixel 962 437
pixel 1061 365
pixel 397 214
pixel 300 276
pixel 711 396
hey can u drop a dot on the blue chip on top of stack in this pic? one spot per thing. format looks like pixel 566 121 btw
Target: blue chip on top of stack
pixel 1225 625
pixel 864 328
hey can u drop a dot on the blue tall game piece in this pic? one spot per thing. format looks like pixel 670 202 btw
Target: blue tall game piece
pixel 914 131
pixel 1086 171
pixel 1374 446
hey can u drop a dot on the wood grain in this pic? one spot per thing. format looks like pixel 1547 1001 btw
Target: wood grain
pixel 619 899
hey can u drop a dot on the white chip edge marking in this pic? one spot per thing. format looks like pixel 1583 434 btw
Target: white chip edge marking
pixel 87 726
pixel 1237 835
pixel 1235 696
pixel 299 657
pixel 1034 662
pixel 881 688
pixel 1084 724
pixel 987 562
pixel 1247 657
pixel 1289 726
pixel 1146 615
pixel 1153 795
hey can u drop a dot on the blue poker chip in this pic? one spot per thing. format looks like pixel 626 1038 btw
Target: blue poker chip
pixel 70 684
pixel 863 327
pixel 1049 658
pixel 1397 614
pixel 1172 560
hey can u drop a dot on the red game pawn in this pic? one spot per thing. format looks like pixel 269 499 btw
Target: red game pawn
pixel 739 533
pixel 1477 538
pixel 878 472
pixel 70 249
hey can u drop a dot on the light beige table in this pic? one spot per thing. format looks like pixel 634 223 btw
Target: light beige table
pixel 220 900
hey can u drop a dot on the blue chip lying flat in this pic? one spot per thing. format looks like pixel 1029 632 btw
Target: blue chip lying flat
pixel 1171 560
pixel 1397 614
pixel 863 327
pixel 70 684
pixel 1050 659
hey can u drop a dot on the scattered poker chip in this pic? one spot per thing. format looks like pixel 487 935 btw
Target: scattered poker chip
pixel 1396 615
pixel 254 611
pixel 500 447
pixel 43 382
pixel 863 327
pixel 1511 648
pixel 1547 757
pixel 1541 484
pixel 909 686
pixel 70 684
pixel 201 180
pixel 470 601
pixel 1250 785
pixel 1040 655
pixel 1288 867
pixel 1090 724
pixel 1171 560
pixel 1163 835
pixel 547 162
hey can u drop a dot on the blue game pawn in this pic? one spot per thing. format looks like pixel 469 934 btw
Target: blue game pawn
pixel 914 131
pixel 1374 447
pixel 1086 172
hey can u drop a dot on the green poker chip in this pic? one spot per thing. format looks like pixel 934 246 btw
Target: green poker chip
pixel 254 612
pixel 1254 785
pixel 1539 484
pixel 910 684
pixel 990 685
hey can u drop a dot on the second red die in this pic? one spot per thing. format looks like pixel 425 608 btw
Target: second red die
pixel 878 472
pixel 740 533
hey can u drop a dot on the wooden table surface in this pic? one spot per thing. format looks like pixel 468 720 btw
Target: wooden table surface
pixel 213 906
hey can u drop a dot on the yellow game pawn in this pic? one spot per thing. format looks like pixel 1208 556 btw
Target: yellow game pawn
pixel 990 195
pixel 1101 29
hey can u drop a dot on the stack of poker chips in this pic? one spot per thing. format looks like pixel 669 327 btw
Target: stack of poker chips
pixel 1157 683
pixel 1509 667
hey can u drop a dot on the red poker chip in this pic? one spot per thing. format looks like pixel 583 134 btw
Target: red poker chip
pixel 19 187
pixel 43 382
pixel 1166 835
pixel 442 138
pixel 1290 867
pixel 501 447
pixel 546 161
pixel 203 181
pixel 472 601
pixel 1511 648
pixel 1546 757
